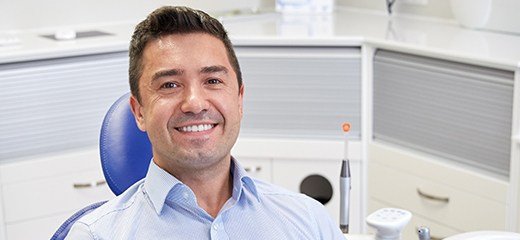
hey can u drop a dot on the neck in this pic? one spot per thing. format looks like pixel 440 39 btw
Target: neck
pixel 212 186
pixel 212 193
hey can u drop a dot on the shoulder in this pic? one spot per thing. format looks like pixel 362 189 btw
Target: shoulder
pixel 271 191
pixel 306 211
pixel 113 207
pixel 291 203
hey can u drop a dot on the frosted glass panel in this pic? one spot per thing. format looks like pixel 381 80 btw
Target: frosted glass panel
pixel 300 92
pixel 456 111
pixel 58 104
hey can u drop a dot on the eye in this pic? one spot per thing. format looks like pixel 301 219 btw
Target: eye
pixel 170 85
pixel 214 81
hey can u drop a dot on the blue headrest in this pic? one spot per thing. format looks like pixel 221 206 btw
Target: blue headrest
pixel 125 150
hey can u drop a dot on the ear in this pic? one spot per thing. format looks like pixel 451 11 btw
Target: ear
pixel 241 100
pixel 137 110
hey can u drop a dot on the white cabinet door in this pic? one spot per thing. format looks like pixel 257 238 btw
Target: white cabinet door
pixel 45 197
pixel 39 194
pixel 439 192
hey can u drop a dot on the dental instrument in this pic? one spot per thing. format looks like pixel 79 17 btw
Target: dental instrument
pixel 345 185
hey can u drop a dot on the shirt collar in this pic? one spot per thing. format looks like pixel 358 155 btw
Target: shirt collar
pixel 241 181
pixel 159 183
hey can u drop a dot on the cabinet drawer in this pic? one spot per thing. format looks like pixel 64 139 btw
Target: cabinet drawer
pixel 437 230
pixel 459 209
pixel 53 195
pixel 439 171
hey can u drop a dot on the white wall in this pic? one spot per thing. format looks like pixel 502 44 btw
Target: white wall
pixel 434 8
pixel 29 14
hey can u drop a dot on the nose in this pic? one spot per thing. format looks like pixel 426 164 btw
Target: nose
pixel 195 100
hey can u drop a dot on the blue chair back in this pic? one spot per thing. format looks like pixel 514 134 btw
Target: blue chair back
pixel 125 153
pixel 125 150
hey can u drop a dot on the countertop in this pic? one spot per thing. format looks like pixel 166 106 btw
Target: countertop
pixel 345 27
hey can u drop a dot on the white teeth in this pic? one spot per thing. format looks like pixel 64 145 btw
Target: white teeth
pixel 196 128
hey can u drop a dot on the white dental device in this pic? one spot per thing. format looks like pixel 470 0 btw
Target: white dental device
pixel 389 222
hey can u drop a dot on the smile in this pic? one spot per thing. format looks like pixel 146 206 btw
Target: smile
pixel 196 128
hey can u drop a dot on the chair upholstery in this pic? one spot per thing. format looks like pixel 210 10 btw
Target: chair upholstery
pixel 125 150
pixel 125 153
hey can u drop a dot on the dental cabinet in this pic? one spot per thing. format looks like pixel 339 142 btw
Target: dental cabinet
pixel 40 193
pixel 58 172
pixel 400 82
pixel 296 99
pixel 51 115
pixel 441 142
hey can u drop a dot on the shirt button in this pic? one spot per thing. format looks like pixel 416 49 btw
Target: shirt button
pixel 215 226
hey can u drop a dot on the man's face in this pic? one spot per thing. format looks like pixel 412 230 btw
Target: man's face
pixel 191 105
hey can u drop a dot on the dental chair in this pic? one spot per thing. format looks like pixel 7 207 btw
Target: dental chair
pixel 125 153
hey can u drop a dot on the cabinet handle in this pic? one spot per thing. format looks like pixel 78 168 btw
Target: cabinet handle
pixel 432 197
pixel 253 169
pixel 89 185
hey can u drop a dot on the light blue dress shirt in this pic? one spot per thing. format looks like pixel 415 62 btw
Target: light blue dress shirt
pixel 162 207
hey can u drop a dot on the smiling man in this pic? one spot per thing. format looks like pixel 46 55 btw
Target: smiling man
pixel 187 95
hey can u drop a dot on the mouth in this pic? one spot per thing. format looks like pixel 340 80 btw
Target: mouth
pixel 196 128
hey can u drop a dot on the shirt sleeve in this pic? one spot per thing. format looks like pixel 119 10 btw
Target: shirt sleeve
pixel 80 231
pixel 326 227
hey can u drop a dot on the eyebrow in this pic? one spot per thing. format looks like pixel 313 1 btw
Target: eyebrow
pixel 167 73
pixel 214 69
pixel 178 72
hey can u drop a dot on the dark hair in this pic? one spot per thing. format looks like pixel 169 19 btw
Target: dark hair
pixel 174 20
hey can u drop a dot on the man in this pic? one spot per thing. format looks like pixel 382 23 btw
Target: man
pixel 187 95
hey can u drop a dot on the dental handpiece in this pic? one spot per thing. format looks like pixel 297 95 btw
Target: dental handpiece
pixel 345 186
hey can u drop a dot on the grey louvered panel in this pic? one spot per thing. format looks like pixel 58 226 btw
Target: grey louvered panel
pixel 455 111
pixel 301 92
pixel 57 104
